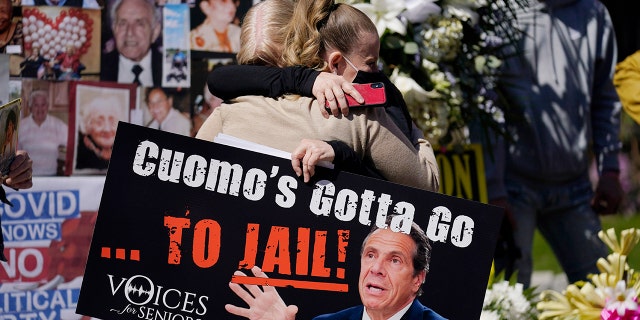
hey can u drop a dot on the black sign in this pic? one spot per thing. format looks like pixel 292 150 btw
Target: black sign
pixel 179 215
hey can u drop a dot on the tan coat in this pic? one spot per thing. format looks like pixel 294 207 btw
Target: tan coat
pixel 282 123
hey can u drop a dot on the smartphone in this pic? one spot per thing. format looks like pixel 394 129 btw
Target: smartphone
pixel 373 94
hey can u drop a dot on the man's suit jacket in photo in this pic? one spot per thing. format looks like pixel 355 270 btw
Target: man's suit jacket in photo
pixel 416 311
pixel 110 61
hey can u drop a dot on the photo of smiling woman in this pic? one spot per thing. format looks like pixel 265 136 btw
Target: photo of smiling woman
pixel 97 113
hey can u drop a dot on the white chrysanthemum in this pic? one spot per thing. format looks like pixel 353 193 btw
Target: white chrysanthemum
pixel 385 14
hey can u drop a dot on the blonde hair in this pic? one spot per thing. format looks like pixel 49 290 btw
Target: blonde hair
pixel 262 37
pixel 320 25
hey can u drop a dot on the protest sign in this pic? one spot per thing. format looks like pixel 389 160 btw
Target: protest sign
pixel 47 232
pixel 179 215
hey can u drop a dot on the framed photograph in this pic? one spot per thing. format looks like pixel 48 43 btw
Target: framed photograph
pixel 44 130
pixel 166 109
pixel 9 119
pixel 144 60
pixel 177 56
pixel 215 26
pixel 95 110
pixel 60 43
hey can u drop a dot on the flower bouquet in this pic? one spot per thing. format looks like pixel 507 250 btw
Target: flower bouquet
pixel 610 295
pixel 445 56
pixel 508 300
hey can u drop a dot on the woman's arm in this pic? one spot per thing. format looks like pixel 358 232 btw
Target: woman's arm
pixel 310 152
pixel 347 160
pixel 231 81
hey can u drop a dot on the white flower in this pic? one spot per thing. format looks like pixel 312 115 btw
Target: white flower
pixel 610 294
pixel 620 298
pixel 489 315
pixel 463 13
pixel 411 90
pixel 508 301
pixel 418 10
pixel 428 108
pixel 385 14
pixel 439 42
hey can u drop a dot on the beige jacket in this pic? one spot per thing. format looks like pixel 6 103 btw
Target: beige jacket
pixel 282 123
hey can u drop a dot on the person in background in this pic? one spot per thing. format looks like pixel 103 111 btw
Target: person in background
pixel 136 24
pixel 217 32
pixel 559 86
pixel 627 83
pixel 165 117
pixel 43 135
pixel 98 125
pixel 393 267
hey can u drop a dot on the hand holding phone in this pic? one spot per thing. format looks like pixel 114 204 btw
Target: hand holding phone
pixel 373 94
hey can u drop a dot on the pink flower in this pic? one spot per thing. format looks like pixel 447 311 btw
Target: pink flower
pixel 608 314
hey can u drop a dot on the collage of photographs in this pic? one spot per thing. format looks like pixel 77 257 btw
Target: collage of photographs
pixel 80 66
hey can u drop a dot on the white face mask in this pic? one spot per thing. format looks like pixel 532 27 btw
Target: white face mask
pixel 350 63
